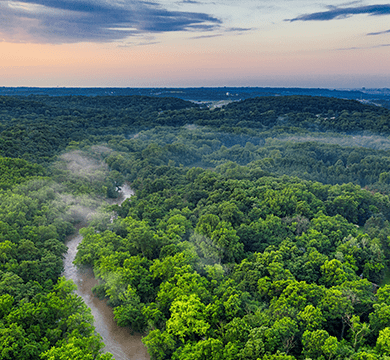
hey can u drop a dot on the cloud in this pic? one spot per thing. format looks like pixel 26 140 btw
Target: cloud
pixel 379 33
pixel 223 32
pixel 341 13
pixel 71 21
pixel 239 29
pixel 206 36
pixel 364 47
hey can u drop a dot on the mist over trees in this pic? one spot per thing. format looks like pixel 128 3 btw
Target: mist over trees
pixel 259 230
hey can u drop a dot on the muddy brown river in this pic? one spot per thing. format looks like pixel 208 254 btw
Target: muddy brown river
pixel 118 340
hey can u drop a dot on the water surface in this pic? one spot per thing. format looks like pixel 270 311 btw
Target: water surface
pixel 118 340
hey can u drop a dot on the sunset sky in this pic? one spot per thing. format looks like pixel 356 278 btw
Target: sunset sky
pixel 184 43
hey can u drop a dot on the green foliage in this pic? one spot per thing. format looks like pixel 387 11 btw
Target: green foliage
pixel 252 234
pixel 299 274
pixel 53 325
pixel 15 171
pixel 187 319
pixel 383 342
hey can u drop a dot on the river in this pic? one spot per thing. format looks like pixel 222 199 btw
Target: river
pixel 118 340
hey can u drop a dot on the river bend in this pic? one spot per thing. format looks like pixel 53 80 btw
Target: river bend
pixel 118 340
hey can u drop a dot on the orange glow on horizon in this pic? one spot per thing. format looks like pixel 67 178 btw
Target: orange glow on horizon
pixel 161 64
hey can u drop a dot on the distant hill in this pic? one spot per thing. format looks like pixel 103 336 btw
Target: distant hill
pixel 37 127
pixel 377 96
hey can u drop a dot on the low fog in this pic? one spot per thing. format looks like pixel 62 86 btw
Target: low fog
pixel 367 141
pixel 82 165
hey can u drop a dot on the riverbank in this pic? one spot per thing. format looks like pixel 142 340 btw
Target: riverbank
pixel 118 340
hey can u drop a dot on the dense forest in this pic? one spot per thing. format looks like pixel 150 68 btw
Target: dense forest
pixel 258 230
pixel 206 94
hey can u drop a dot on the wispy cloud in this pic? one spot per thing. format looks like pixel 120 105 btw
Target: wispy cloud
pixel 379 32
pixel 143 41
pixel 239 29
pixel 189 2
pixel 223 32
pixel 206 36
pixel 344 12
pixel 364 47
pixel 71 21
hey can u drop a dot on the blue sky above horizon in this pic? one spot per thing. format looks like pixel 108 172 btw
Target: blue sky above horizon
pixel 334 44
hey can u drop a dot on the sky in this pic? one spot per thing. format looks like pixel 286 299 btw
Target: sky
pixel 194 43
